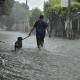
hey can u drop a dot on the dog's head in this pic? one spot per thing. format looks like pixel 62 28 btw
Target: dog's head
pixel 19 38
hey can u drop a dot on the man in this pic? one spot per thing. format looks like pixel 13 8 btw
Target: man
pixel 41 27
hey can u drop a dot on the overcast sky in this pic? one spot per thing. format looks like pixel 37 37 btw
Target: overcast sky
pixel 34 3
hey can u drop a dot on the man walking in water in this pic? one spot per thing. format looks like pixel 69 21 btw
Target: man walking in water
pixel 41 27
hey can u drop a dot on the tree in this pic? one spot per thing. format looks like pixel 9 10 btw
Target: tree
pixel 77 0
pixel 54 12
pixel 2 3
pixel 54 6
pixel 5 6
pixel 35 13
pixel 18 15
pixel 53 3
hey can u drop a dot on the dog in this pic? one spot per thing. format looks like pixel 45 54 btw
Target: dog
pixel 18 43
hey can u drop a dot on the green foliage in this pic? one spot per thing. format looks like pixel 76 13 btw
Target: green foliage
pixel 55 13
pixel 54 6
pixel 18 14
pixel 47 9
pixel 2 2
pixel 35 13
pixel 5 6
pixel 77 0
pixel 75 6
pixel 54 2
pixel 51 6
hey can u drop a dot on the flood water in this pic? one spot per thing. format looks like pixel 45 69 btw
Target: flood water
pixel 58 60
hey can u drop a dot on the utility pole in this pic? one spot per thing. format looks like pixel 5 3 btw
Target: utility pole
pixel 69 13
pixel 26 20
pixel 26 2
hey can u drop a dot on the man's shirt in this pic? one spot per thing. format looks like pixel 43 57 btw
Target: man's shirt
pixel 40 27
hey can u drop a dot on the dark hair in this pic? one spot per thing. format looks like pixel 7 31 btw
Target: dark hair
pixel 41 17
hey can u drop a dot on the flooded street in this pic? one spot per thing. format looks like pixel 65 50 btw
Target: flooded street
pixel 59 60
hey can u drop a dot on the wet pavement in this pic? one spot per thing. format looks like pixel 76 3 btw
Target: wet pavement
pixel 58 60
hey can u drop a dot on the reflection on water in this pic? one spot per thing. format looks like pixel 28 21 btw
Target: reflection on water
pixel 58 46
pixel 42 65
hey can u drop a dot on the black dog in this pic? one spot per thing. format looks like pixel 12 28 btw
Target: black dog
pixel 18 43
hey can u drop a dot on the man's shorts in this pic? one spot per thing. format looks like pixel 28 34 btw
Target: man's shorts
pixel 40 37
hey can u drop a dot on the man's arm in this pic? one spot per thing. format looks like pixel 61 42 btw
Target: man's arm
pixel 33 28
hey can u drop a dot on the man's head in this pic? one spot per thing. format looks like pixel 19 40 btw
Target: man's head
pixel 41 17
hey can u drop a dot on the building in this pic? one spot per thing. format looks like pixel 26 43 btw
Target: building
pixel 74 24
